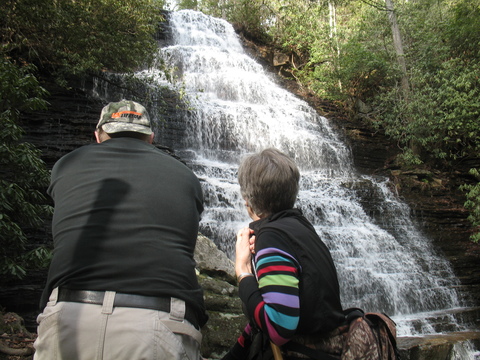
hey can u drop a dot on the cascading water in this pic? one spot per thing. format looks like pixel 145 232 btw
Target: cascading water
pixel 384 262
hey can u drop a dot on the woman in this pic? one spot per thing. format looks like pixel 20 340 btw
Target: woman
pixel 287 279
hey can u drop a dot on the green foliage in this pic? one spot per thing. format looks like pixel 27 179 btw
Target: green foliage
pixel 78 36
pixel 292 25
pixel 187 4
pixel 439 117
pixel 463 31
pixel 340 57
pixel 442 114
pixel 473 203
pixel 23 174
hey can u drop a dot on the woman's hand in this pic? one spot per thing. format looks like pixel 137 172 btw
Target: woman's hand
pixel 243 251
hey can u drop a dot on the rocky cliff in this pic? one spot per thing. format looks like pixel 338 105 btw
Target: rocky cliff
pixel 433 195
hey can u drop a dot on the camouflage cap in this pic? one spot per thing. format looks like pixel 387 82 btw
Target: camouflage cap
pixel 124 115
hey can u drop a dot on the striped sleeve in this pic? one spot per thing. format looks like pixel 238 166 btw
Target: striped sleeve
pixel 278 281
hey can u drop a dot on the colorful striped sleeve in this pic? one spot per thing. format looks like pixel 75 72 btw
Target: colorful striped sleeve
pixel 278 281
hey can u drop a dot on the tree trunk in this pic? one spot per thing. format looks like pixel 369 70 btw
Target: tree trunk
pixel 332 14
pixel 397 42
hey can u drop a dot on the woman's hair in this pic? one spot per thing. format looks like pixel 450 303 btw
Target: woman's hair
pixel 269 181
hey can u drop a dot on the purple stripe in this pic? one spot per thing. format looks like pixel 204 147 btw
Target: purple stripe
pixel 275 251
pixel 282 299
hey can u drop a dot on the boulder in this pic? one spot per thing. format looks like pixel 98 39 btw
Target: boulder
pixel 451 346
pixel 217 278
pixel 211 261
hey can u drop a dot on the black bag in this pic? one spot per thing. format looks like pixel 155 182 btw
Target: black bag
pixel 260 348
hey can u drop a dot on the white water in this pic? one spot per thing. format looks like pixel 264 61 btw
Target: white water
pixel 383 261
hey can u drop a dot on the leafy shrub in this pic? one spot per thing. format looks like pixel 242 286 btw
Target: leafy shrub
pixel 80 36
pixel 473 203
pixel 23 175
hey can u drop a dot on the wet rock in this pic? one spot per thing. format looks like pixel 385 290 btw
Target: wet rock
pixel 450 346
pixel 217 278
pixel 212 261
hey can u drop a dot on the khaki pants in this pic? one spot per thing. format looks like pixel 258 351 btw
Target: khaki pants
pixel 77 331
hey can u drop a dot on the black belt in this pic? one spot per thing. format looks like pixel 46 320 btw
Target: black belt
pixel 124 300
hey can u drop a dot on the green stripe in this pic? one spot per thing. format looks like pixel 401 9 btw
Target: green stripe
pixel 278 279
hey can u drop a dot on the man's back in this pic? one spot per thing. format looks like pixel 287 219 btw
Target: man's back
pixel 122 282
pixel 126 220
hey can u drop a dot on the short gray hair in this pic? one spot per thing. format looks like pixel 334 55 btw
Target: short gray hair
pixel 269 181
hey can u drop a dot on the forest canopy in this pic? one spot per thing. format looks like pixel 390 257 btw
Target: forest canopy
pixel 80 36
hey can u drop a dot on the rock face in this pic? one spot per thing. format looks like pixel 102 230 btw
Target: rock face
pixel 217 278
pixel 433 197
pixel 440 347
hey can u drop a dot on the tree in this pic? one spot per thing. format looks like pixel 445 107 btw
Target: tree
pixel 23 175
pixel 442 113
pixel 80 36
pixel 397 43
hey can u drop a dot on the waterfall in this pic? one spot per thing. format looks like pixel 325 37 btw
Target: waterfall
pixel 383 261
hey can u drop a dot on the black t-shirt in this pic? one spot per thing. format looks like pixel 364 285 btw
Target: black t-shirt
pixel 126 220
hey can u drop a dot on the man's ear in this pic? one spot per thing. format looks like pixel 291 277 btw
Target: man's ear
pixel 150 140
pixel 97 136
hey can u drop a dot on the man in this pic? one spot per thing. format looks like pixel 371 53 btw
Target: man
pixel 122 282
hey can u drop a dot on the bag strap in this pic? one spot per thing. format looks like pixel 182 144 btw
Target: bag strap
pixel 390 326
pixel 353 313
pixel 389 323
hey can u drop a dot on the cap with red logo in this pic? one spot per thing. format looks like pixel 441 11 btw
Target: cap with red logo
pixel 123 116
